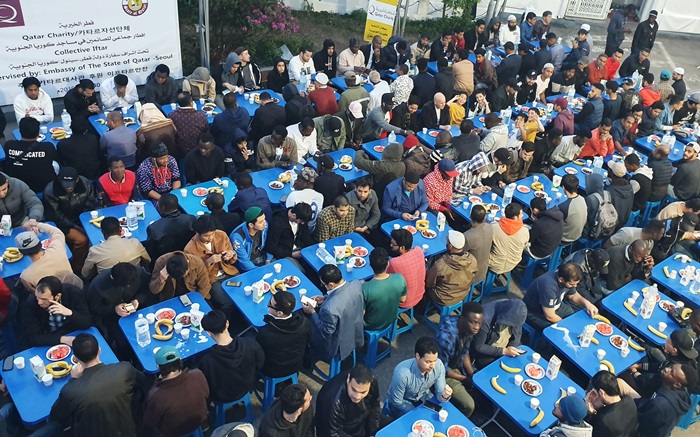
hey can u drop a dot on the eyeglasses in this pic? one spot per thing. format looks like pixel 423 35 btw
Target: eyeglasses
pixel 269 305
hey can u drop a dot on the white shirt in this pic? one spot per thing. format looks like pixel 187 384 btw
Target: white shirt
pixel 305 145
pixel 541 85
pixel 375 97
pixel 506 35
pixel 110 99
pixel 40 109
pixel 297 67
pixel 309 196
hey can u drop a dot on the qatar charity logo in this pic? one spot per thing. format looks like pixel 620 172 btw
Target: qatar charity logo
pixel 135 8
pixel 11 14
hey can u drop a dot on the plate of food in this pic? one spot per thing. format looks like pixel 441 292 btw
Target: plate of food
pixel 58 352
pixel 571 170
pixel 345 159
pixel 215 190
pixel 423 428
pixel 357 261
pixel 207 108
pixel 481 119
pixel 203 202
pixel 410 229
pixel 291 281
pixel 129 120
pixel 457 431
pixel 541 194
pixel 165 313
pixel 429 234
pixel 492 207
pixel 276 185
pixel 200 191
pixel 618 341
pixel 667 305
pixel 531 387
pixel 45 243
pixel 379 149
pixel 603 328
pixel 360 251
pixel 475 200
pixel 56 129
pixel 586 171
pixel 534 371
pixel 122 222
pixel 654 138
pixel 523 189
pixel 184 319
pixel 345 167
pixel 433 133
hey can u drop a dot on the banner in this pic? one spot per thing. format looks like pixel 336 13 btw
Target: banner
pixel 380 19
pixel 61 42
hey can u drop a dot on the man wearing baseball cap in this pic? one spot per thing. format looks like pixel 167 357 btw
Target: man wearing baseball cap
pixel 330 133
pixel 438 186
pixel 688 112
pixel 645 35
pixel 328 183
pixel 450 278
pixel 564 120
pixel 593 264
pixel 673 239
pixel 528 88
pixel 354 92
pixel 678 82
pixel 353 123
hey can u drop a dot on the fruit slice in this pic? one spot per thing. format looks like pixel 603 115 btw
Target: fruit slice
pixel 494 384
pixel 630 309
pixel 538 418
pixel 510 369
pixel 609 365
pixel 656 332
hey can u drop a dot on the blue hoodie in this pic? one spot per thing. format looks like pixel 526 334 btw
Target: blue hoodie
pixel 243 245
pixel 227 123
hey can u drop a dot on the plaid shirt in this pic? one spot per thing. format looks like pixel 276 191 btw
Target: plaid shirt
pixel 468 178
pixel 328 225
pixel 401 87
pixel 438 190
pixel 189 124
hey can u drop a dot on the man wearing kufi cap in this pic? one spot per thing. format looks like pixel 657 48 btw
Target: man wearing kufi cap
pixel 450 278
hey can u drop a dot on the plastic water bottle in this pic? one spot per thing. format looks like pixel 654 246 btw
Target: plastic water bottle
pixel 571 94
pixel 392 137
pixel 293 177
pixel 304 80
pixel 488 55
pixel 132 221
pixel 598 164
pixel 324 255
pixel 508 195
pixel 143 334
pixel 65 118
pixel 695 286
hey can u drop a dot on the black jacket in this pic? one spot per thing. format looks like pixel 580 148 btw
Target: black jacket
pixel 663 170
pixel 445 82
pixel 280 239
pixel 266 118
pixel 641 197
pixel 225 221
pixel 508 68
pixel 273 423
pixel 424 87
pixel 275 80
pixel 465 146
pixel 660 414
pixel 294 107
pixel 473 41
pixel 500 99
pixel 77 107
pixel 369 52
pixel 233 158
pixel 542 57
pixel 352 132
pixel 232 370
pixel 632 64
pixel 428 117
pixel 202 169
pixel 622 198
pixel 330 185
pixel 284 343
pixel 400 117
pixel 169 233
pixel 644 36
pixel 64 208
pixel 619 268
pixel 337 415
pixel 390 58
pixel 161 94
pixel 527 63
pixel 672 235
pixel 437 51
pixel 35 319
pixel 30 162
pixel 82 152
pixel 587 285
pixel 546 232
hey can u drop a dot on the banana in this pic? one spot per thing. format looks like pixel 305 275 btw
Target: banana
pixel 58 369
pixel 562 396
pixel 59 135
pixel 593 340
pixel 634 346
pixel 498 388
pixel 348 251
pixel 684 258
pixel 97 220
pixel 667 272
pixel 159 335
pixel 422 225
pixel 510 369
pixel 686 313
pixel 284 177
pixel 656 332
pixel 601 318
pixel 538 418
pixel 630 309
pixel 609 365
pixel 278 283
pixel 12 255
pixel 12 251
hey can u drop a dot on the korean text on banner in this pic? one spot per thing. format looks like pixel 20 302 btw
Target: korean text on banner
pixel 380 19
pixel 62 42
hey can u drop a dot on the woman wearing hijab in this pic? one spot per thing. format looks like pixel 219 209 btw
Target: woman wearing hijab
pixel 500 332
pixel 155 129
pixel 326 59
pixel 158 175
pixel 200 84
pixel 493 33
pixel 278 77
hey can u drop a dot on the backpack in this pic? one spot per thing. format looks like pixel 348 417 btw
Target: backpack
pixel 605 222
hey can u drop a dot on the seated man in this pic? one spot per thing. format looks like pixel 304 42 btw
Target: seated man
pixel 438 187
pixel 249 239
pixel 364 201
pixel 573 209
pixel 545 297
pixel 33 102
pixel 610 413
pixel 335 220
pixel 158 175
pixel 679 236
pixel 249 195
pixel 172 231
pixel 289 232
pixel 418 379
pixel 510 237
pixel 231 366
pixel 449 280
pixel 454 338
pixel 223 220
pixel 348 405
pixel 376 125
pixel 18 201
pixel 98 398
pixel 119 142
pixel 383 294
pixel 177 404
pixel 677 209
pixel 29 159
pixel 113 250
pixel 205 162
pixel 81 151
pixel 547 229
pixel 292 414
pixel 500 333
pixel 304 193
pixel 569 148
pixel 601 142
pixel 330 185
pixel 178 273
pixel 570 412
pixel 404 198
pixel 53 311
pixel 409 262
pixel 627 262
pixel 118 92
pixel 189 122
pixel 117 186
pixel 337 327
pixel 593 264
pixel 277 150
pixel 284 337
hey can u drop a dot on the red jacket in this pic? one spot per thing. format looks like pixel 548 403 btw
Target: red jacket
pixel 597 147
pixel 5 298
pixel 118 193
pixel 612 68
pixel 649 95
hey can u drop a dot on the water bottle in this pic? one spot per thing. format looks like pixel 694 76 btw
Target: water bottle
pixel 132 220
pixel 143 334
pixel 324 255
pixel 304 82
pixel 598 165
pixel 508 195
pixel 570 95
pixel 137 108
pixel 293 177
pixel 392 137
pixel 65 118
pixel 488 55
pixel 695 286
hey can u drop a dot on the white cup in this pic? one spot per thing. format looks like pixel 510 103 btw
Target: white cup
pixel 246 96
pixel 465 205
pixel 124 111
pixel 177 327
pixel 535 178
pixel 107 113
pixel 674 274
pixel 47 379
pixel 349 266
pixel 397 226
pixel 277 267
pixel 424 216
pixel 151 318
pixel 603 367
pixel 251 100
pixel 348 242
pixel 185 333
pixel 425 248
pixel 248 290
pixel 173 106
pixel 183 192
pixel 442 415
pixel 662 326
pixel 635 295
pixel 624 351
pixel 425 131
pixel 518 379
pixel 600 354
pixel 680 304
pixel 94 214
pixel 302 292
pixel 558 196
pixel 44 130
pixel 536 357
pixel 224 182
pixel 494 196
pixel 19 362
pixel 630 301
pixel 534 403
pixel 570 391
pixel 201 101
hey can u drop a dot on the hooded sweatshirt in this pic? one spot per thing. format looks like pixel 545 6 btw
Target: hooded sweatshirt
pixel 232 370
pixel 565 430
pixel 641 185
pixel 546 232
pixel 509 239
pixel 276 81
pixel 594 184
pixel 389 168
pixel 622 196
pixel 660 414
pixel 160 94
pixel 564 121
pixel 295 104
pixel 273 423
pixel 284 342
pixel 452 277
pixel 496 138
pixel 200 84
pixel 235 79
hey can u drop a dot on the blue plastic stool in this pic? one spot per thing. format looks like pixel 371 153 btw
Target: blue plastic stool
pixel 589 244
pixel 488 288
pixel 668 199
pixel 333 367
pixel 470 296
pixel 270 385
pixel 220 410
pixel 372 344
pixel 533 334
pixel 651 209
pixel 557 255
pixel 410 324
pixel 633 218
pixel 532 264
pixel 445 312
pixel 690 417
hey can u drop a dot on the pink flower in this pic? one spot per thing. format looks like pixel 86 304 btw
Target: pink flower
pixel 245 29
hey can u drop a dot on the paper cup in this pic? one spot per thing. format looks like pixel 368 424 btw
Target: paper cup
pixel 151 318
pixel 246 96
pixel 680 304
pixel 536 357
pixel 536 178
pixel 248 290
pixel 425 131
pixel 600 354
pixel 251 100
pixel 302 293
pixel 442 415
pixel 570 391
pixel 124 111
pixel 185 333
pixel 423 215
pixel 201 101
pixel 183 192
pixel 603 367
pixel 662 326
pixel 278 268
pixel 624 352
pixel 397 226
pixel 534 403
pixel 94 214
pixel 177 327
pixel 349 266
pixel 47 380
pixel 348 242
pixel 518 379
pixel 465 205
pixel 19 363
pixel 674 274
pixel 635 295
pixel 173 106
pixel 225 183
pixel 425 248
pixel 494 196
pixel 44 129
